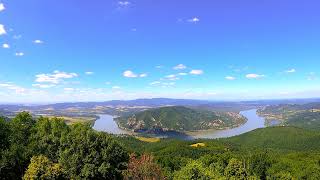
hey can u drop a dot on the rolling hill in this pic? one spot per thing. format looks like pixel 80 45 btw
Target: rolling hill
pixel 299 115
pixel 279 138
pixel 179 118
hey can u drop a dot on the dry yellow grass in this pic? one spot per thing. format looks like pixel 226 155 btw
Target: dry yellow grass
pixel 149 140
pixel 198 145
pixel 72 120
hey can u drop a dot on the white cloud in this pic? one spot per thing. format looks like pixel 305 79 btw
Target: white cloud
pixel 179 67
pixel 231 78
pixel 38 41
pixel 159 67
pixel 194 20
pixel 124 3
pixel 54 78
pixel 2 8
pixel 172 77
pixel 11 86
pixel 291 71
pixel 5 45
pixel 143 75
pixel 44 86
pixel 89 73
pixel 68 89
pixel 254 76
pixel 155 83
pixel 167 84
pixel 129 74
pixel 5 85
pixel 2 30
pixel 196 72
pixel 19 54
pixel 108 83
pixel 183 74
pixel 116 87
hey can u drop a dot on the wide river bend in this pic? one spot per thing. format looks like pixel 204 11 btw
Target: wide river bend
pixel 106 124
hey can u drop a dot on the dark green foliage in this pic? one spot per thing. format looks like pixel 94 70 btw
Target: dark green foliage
pixel 47 135
pixel 86 154
pixel 194 170
pixel 4 134
pixel 297 166
pixel 279 138
pixel 251 160
pixel 178 118
pixel 15 158
pixel 235 170
pixel 305 119
pixel 78 152
pixel 259 163
pixel 304 115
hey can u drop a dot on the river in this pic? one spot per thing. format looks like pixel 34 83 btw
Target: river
pixel 106 124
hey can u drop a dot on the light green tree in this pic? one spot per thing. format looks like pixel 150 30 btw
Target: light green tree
pixel 42 168
pixel 235 170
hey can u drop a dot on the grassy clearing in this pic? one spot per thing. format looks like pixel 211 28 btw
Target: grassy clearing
pixel 198 145
pixel 73 120
pixel 147 139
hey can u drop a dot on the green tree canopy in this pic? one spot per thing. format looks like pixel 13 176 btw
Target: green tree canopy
pixel 16 157
pixel 42 168
pixel 86 154
pixel 195 170
pixel 47 135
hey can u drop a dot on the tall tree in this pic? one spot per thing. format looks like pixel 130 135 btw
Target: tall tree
pixel 42 168
pixel 235 170
pixel 16 157
pixel 87 154
pixel 47 136
pixel 143 168
pixel 4 134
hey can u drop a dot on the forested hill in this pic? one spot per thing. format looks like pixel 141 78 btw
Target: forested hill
pixel 179 118
pixel 47 148
pixel 279 138
pixel 298 115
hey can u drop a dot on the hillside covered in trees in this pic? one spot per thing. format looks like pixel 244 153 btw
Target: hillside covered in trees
pixel 49 149
pixel 298 115
pixel 179 118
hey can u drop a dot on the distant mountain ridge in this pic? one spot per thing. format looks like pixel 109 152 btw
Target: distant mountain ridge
pixel 157 102
pixel 127 107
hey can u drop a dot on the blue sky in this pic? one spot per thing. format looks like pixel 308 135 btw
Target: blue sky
pixel 76 50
